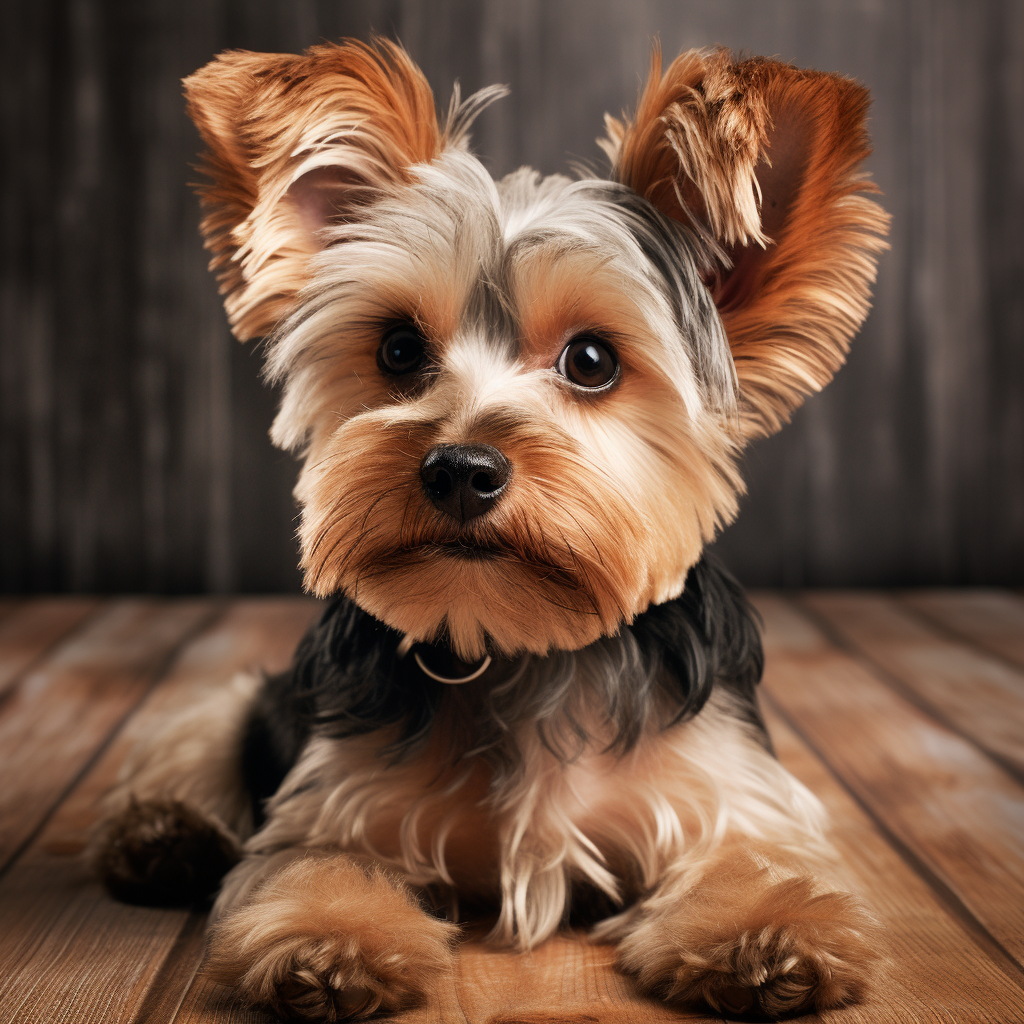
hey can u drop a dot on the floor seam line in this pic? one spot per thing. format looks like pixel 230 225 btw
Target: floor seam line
pixel 12 684
pixel 963 639
pixel 903 689
pixel 156 675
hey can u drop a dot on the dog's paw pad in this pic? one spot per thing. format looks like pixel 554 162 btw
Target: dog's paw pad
pixel 162 853
pixel 736 999
pixel 308 986
pixel 764 975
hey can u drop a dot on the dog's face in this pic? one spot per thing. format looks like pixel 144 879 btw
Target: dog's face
pixel 520 403
pixel 517 424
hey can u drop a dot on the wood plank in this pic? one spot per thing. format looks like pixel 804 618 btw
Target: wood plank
pixel 956 811
pixel 60 714
pixel 257 634
pixel 121 963
pixel 171 980
pixel 937 971
pixel 60 960
pixel 992 619
pixel 973 693
pixel 30 628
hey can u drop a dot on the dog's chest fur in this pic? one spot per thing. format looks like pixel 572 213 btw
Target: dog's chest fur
pixel 587 771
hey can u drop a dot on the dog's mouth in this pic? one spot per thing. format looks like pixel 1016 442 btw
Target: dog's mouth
pixel 465 549
pixel 480 552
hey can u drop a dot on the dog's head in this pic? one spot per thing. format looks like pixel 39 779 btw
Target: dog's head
pixel 520 403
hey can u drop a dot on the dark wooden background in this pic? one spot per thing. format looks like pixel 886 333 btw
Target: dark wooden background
pixel 133 448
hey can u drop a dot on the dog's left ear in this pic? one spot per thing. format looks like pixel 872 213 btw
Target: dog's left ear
pixel 762 159
pixel 296 144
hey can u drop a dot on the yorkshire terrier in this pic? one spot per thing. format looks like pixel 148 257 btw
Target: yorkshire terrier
pixel 520 405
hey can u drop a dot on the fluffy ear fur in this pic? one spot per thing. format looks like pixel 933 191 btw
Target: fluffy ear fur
pixel 296 143
pixel 762 158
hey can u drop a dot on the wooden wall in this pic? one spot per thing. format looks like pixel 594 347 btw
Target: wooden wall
pixel 133 449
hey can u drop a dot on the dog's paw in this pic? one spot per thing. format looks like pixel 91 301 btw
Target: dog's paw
pixel 793 951
pixel 326 940
pixel 162 853
pixel 334 979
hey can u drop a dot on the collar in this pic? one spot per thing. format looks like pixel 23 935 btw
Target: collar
pixel 439 662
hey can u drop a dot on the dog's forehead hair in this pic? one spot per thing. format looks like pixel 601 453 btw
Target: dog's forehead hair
pixel 646 247
pixel 481 231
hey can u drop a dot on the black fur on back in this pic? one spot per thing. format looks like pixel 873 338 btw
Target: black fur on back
pixel 348 679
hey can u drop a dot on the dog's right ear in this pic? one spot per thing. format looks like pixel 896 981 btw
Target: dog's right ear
pixel 763 159
pixel 296 144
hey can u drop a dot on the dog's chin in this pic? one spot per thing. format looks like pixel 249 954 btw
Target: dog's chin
pixel 480 598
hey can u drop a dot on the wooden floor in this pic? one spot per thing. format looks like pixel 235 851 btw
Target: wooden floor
pixel 904 713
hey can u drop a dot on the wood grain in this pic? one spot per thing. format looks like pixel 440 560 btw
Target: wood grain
pixel 171 980
pixel 64 959
pixel 30 628
pixel 253 634
pixel 974 693
pixel 134 451
pixel 956 811
pixel 60 714
pixel 565 981
pixel 992 619
pixel 121 963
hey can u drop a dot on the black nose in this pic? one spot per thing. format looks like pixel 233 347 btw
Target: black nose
pixel 464 480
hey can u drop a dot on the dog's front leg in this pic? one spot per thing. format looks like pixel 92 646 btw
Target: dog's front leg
pixel 324 936
pixel 752 930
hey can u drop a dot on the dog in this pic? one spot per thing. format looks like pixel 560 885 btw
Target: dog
pixel 520 405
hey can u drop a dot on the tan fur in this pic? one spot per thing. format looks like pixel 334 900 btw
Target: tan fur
pixel 315 141
pixel 692 146
pixel 766 155
pixel 328 938
pixel 754 931
pixel 551 586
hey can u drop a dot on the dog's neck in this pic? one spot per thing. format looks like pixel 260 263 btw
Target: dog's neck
pixel 358 675
pixel 353 675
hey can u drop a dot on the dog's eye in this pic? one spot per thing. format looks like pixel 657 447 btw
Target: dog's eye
pixel 588 362
pixel 402 349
